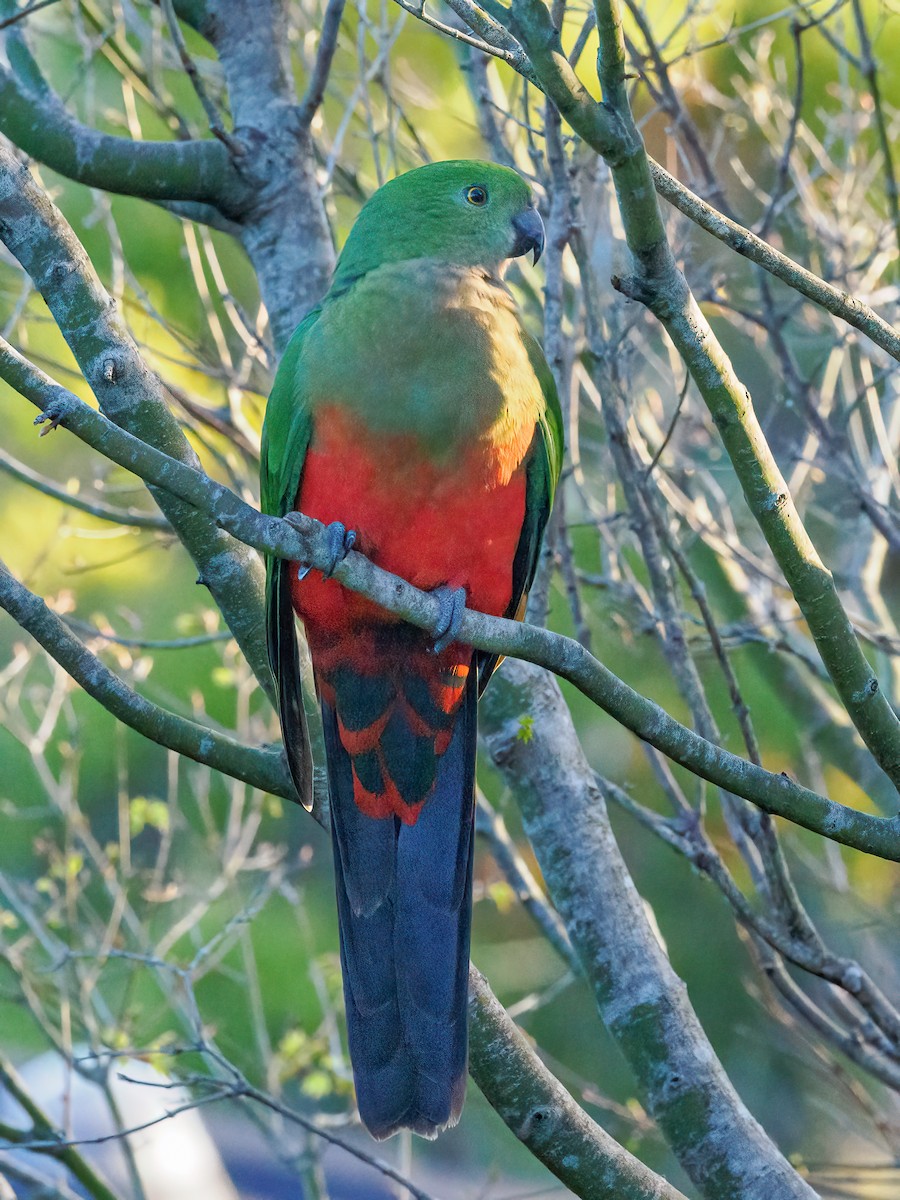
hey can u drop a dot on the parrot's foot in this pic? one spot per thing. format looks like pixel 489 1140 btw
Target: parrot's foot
pixel 453 605
pixel 340 543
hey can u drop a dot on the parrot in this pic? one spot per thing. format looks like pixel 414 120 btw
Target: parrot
pixel 414 415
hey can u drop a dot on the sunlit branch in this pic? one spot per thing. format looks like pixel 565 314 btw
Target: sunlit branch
pixel 659 284
pixel 596 126
pixel 839 303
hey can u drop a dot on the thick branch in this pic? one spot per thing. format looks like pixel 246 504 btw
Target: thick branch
pixel 128 391
pixel 286 235
pixel 774 793
pixel 39 123
pixel 542 1114
pixel 642 1001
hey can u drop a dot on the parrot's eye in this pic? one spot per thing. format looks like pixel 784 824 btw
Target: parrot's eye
pixel 476 195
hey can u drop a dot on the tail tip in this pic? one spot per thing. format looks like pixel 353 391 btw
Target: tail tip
pixel 417 1123
pixel 382 1123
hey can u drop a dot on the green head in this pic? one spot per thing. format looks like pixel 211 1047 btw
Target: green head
pixel 462 212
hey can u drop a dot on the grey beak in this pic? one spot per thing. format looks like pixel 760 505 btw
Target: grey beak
pixel 529 233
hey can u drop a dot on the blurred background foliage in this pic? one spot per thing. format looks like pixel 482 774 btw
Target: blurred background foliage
pixel 107 837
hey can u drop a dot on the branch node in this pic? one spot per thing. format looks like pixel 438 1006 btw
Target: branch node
pixel 58 409
pixel 111 370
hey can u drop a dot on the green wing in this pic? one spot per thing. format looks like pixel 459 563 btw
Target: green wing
pixel 542 475
pixel 285 439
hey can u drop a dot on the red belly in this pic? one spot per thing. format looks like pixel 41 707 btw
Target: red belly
pixel 456 524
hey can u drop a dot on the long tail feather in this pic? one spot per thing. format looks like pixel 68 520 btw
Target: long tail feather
pixel 404 893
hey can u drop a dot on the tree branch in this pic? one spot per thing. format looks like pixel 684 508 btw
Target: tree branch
pixel 870 70
pixel 659 284
pixel 743 241
pixel 328 39
pixel 42 1128
pixel 23 13
pixel 598 128
pixel 190 67
pixel 38 122
pixel 262 768
pixel 542 1114
pixel 305 541
pixel 286 234
pixel 37 234
pixel 97 508
pixel 491 826
pixel 641 1000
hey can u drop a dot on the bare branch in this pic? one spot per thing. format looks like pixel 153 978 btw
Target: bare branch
pixel 558 80
pixel 643 1004
pixel 36 232
pixel 870 70
pixel 839 304
pixel 328 39
pixel 190 171
pixel 264 769
pixel 503 849
pixel 544 1116
pixel 659 284
pixel 286 235
pixel 54 1145
pixel 212 114
pixel 97 508
pixel 304 540
pixel 25 12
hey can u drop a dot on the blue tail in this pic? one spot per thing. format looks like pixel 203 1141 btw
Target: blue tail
pixel 404 895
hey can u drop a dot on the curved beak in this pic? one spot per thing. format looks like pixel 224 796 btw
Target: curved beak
pixel 529 233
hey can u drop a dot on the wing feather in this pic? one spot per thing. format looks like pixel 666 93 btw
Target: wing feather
pixel 285 439
pixel 543 467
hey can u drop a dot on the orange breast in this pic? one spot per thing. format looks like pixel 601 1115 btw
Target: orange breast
pixel 454 523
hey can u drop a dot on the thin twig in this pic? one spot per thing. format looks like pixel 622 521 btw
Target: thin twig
pixel 25 12
pixel 318 80
pixel 190 67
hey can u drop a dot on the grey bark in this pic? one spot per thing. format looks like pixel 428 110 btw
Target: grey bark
pixel 640 998
pixel 285 233
pixel 128 392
